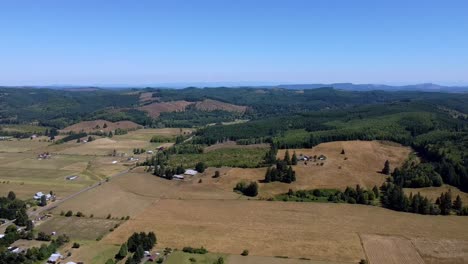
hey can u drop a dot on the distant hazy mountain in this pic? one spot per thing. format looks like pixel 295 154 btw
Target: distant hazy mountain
pixel 428 87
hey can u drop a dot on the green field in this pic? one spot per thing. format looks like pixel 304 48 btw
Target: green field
pixel 230 157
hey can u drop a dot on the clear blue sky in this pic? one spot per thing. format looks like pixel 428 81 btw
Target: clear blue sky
pixel 289 41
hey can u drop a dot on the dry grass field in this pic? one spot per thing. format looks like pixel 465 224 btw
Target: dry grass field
pixel 313 230
pixel 127 195
pixel 147 133
pixel 98 125
pixel 390 250
pixel 233 145
pixel 434 192
pixel 155 109
pixel 105 146
pixel 237 259
pixel 211 105
pixel 442 251
pixel 23 145
pixel 365 159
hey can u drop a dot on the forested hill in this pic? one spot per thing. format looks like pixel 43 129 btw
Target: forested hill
pixel 59 108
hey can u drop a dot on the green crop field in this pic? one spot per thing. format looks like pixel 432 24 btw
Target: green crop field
pixel 231 157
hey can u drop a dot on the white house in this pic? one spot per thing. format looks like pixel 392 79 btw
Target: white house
pixel 190 172
pixel 54 258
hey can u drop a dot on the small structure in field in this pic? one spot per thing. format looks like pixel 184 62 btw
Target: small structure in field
pixel 38 196
pixel 178 177
pixel 55 258
pixel 190 172
pixel 44 155
pixel 149 152
pixel 114 162
pixel 322 157
pixel 72 177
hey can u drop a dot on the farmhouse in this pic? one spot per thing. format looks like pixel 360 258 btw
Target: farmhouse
pixel 54 258
pixel 191 172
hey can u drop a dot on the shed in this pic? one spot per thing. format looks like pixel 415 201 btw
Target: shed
pixel 54 258
pixel 190 172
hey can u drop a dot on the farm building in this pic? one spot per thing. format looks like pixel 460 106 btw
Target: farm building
pixel 72 177
pixel 54 258
pixel 190 172
pixel 178 177
pixel 38 196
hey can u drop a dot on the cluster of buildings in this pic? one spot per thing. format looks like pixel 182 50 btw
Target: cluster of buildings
pixel 39 195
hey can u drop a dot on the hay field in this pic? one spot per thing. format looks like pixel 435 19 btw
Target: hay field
pixel 238 259
pixel 313 230
pixel 365 159
pixel 105 146
pixel 127 195
pixel 390 250
pixel 442 251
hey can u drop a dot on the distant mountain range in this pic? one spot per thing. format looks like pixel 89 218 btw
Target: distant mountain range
pixel 427 87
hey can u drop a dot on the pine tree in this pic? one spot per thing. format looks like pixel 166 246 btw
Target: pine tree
pixel 268 175
pixel 342 152
pixel 376 191
pixel 11 196
pixel 457 204
pixel 386 169
pixel 294 159
pixel 122 252
pixel 287 158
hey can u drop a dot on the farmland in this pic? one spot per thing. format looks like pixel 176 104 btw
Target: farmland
pixel 317 231
pixel 232 157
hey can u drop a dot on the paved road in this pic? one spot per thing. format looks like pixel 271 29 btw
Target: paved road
pixel 50 206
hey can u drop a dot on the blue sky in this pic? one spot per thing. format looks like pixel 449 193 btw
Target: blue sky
pixel 232 41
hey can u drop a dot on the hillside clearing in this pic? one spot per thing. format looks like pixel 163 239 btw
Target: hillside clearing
pixel 100 125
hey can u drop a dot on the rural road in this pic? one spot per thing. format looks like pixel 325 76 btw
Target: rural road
pixel 50 206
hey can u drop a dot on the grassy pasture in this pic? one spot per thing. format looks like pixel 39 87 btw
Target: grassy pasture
pixel 105 146
pixel 147 134
pixel 231 157
pixel 22 145
pixel 78 228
